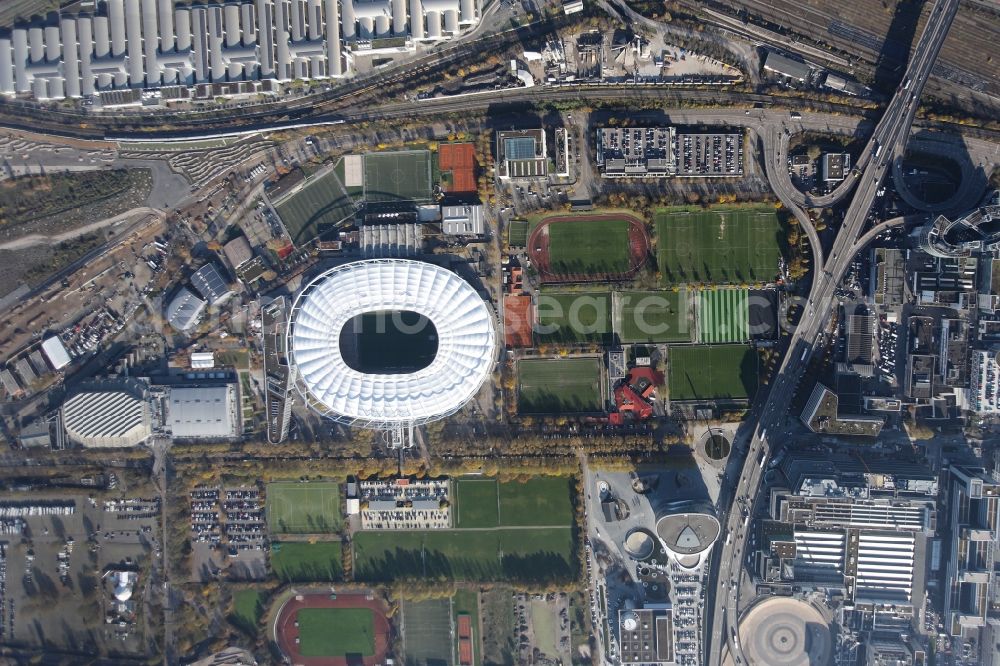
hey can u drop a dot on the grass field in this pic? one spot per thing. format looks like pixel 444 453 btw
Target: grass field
pixel 652 316
pixel 517 233
pixel 313 210
pixel 542 500
pixel 543 625
pixel 336 632
pixel 705 372
pixel 576 317
pixel 427 633
pixel 248 606
pixel 723 316
pixel 537 502
pixel 477 504
pixel 528 555
pixel 589 246
pixel 303 508
pixel 398 176
pixel 302 561
pixel 559 385
pixel 721 245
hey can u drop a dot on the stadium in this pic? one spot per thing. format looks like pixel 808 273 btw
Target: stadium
pixel 389 344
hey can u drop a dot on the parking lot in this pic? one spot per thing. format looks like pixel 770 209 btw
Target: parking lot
pixel 709 155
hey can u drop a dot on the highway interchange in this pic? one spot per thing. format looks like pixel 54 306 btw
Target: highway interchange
pixel 887 142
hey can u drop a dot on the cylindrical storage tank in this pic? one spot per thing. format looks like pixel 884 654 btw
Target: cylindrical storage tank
pixel 333 39
pixel 52 43
pixel 6 67
pixel 296 22
pixel 116 24
pixel 248 25
pixel 399 16
pixel 182 23
pixel 382 25
pixel 434 25
pixel 416 19
pixel 36 44
pixel 347 20
pixel 232 23
pixel 315 20
pixel 102 38
pixel 133 32
pixel 71 57
pixel 367 25
pixel 451 21
pixel 166 11
pixel 468 11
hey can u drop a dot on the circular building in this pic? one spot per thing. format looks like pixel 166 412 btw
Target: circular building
pixel 639 544
pixel 782 631
pixel 688 535
pixel 387 343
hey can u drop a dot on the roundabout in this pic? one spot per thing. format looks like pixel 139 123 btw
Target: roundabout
pixel 785 632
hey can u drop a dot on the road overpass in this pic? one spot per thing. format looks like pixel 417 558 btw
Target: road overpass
pixel 888 141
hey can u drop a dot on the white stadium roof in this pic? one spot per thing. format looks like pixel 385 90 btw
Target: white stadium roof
pixel 465 354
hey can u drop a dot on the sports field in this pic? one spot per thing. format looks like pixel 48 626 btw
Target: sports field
pixel 652 316
pixel 302 561
pixel 576 317
pixel 523 554
pixel 723 316
pixel 426 630
pixel 706 372
pixel 563 385
pixel 517 233
pixel 403 175
pixel 303 508
pixel 537 502
pixel 466 602
pixel 321 204
pixel 718 246
pixel 589 247
pixel 336 632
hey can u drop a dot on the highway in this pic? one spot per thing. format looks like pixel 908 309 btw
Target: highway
pixel 888 141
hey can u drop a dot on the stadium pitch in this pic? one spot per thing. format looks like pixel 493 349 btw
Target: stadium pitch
pixel 398 176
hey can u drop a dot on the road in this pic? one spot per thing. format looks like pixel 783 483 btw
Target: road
pixel 888 141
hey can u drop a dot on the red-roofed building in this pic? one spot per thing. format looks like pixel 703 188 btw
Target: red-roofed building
pixel 634 396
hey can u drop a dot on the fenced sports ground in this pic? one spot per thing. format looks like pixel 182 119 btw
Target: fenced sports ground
pixel 724 316
pixel 712 372
pixel 559 385
pixel 320 629
pixel 303 508
pixel 718 246
pixel 403 175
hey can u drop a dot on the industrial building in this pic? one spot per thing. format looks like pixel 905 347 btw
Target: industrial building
pixel 159 44
pixel 464 220
pixel 783 66
pixel 110 414
pixel 208 282
pixel 202 412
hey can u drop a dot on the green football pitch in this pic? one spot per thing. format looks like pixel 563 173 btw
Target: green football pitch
pixel 652 316
pixel 336 632
pixel 538 502
pixel 707 372
pixel 573 317
pixel 398 176
pixel 303 508
pixel 517 233
pixel 591 247
pixel 724 316
pixel 563 385
pixel 718 246
pixel 319 205
pixel 304 561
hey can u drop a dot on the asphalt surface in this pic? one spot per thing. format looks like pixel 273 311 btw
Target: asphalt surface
pixel 888 141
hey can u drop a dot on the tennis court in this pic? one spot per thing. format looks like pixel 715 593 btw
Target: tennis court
pixel 303 508
pixel 559 385
pixel 723 316
pixel 711 372
pixel 398 176
pixel 652 316
pixel 458 161
pixel 718 246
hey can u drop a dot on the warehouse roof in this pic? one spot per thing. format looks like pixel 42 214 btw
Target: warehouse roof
pixel 202 412
pixel 184 309
pixel 208 282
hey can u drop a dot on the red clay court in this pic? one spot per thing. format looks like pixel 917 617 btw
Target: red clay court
pixel 286 632
pixel 460 160
pixel 517 323
pixel 539 248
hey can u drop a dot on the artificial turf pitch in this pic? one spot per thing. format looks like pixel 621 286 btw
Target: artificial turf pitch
pixel 707 372
pixel 718 246
pixel 336 632
pixel 723 316
pixel 573 317
pixel 398 176
pixel 652 316
pixel 318 206
pixel 564 385
pixel 591 247
pixel 303 508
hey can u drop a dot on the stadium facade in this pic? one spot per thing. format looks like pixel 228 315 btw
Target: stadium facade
pixel 394 401
pixel 151 44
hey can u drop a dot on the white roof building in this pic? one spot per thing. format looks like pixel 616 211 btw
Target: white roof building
pixel 56 352
pixel 203 412
pixel 466 343
pixel 465 220
pixel 184 309
pixel 107 418
pixel 202 360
